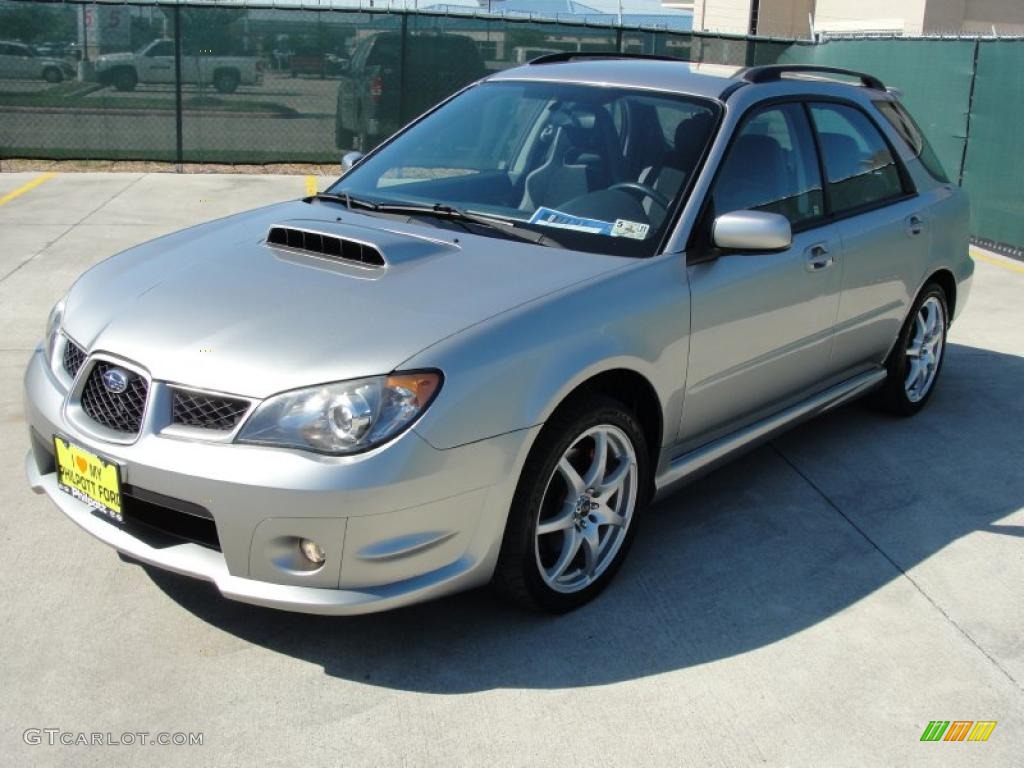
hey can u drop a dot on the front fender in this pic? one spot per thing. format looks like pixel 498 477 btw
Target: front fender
pixel 511 371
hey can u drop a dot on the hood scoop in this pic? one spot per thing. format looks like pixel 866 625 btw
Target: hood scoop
pixel 325 245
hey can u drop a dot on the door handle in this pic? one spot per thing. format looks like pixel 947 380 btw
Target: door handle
pixel 818 257
pixel 915 225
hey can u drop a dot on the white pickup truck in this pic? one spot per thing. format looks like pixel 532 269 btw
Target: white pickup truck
pixel 154 63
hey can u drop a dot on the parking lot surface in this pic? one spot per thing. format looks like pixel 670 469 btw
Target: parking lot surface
pixel 816 602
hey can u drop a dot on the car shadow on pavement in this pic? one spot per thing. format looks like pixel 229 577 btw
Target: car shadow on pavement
pixel 765 547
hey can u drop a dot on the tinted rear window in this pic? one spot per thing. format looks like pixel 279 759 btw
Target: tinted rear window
pixel 909 131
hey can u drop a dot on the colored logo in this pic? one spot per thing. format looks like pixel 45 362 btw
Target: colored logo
pixel 958 730
pixel 115 380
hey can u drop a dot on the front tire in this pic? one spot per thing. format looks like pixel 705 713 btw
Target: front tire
pixel 916 361
pixel 53 75
pixel 125 79
pixel 571 522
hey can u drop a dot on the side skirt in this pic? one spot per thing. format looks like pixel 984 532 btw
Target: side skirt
pixel 690 465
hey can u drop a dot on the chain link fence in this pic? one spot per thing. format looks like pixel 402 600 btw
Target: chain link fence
pixel 251 83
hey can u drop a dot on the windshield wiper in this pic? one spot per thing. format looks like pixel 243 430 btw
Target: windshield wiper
pixel 498 224
pixel 346 199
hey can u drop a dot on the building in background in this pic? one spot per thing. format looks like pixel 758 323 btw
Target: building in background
pixel 804 18
pixel 630 13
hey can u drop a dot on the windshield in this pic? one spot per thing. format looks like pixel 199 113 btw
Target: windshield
pixel 594 168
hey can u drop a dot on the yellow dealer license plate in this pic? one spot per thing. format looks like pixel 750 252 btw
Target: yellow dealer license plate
pixel 88 477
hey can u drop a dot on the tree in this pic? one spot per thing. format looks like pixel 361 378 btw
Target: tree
pixel 35 24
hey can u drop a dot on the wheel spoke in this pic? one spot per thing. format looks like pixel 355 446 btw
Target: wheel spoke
pixel 923 375
pixel 571 476
pixel 610 484
pixel 933 321
pixel 591 545
pixel 607 516
pixel 920 330
pixel 596 471
pixel 559 522
pixel 913 373
pixel 570 546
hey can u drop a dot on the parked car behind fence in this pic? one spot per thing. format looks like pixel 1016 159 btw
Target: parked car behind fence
pixel 19 61
pixel 153 63
pixel 381 91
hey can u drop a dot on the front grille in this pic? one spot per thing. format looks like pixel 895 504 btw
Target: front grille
pixel 121 412
pixel 195 409
pixel 74 356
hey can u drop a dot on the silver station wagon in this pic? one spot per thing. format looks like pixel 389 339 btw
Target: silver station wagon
pixel 480 354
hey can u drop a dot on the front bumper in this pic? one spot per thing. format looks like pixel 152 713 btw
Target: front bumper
pixel 401 524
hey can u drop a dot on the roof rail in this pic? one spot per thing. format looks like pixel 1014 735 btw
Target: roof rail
pixel 772 72
pixel 562 56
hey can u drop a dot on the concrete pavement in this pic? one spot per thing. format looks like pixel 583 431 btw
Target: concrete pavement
pixel 814 603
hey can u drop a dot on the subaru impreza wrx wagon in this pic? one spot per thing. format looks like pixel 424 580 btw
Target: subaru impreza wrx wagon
pixel 483 351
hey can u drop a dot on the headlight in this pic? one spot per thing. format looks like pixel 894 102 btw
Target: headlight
pixel 53 328
pixel 346 417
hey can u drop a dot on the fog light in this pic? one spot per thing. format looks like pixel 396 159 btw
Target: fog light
pixel 312 551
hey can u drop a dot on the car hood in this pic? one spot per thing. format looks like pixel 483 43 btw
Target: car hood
pixel 114 58
pixel 215 307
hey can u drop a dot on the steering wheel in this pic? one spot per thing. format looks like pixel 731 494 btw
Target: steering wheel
pixel 644 191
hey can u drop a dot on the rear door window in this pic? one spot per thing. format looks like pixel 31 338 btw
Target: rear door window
pixel 860 167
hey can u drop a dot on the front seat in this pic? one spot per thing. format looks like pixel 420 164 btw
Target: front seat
pixel 677 164
pixel 580 159
pixel 681 159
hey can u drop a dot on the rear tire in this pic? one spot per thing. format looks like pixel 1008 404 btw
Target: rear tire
pixel 571 521
pixel 916 361
pixel 343 137
pixel 53 75
pixel 226 81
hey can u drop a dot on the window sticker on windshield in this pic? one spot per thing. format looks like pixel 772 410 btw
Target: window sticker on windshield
pixel 549 217
pixel 631 229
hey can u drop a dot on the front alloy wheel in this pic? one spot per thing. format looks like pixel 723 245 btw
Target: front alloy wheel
pixel 572 518
pixel 587 509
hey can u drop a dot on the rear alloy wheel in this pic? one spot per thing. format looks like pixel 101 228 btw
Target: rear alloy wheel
pixel 916 361
pixel 571 521
pixel 924 352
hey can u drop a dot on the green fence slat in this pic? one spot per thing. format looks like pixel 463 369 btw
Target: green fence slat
pixel 994 170
pixel 269 85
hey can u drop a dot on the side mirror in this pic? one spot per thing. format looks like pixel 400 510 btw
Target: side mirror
pixel 752 231
pixel 349 161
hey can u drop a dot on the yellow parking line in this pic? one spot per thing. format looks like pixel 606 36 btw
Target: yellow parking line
pixel 311 185
pixel 999 262
pixel 26 187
